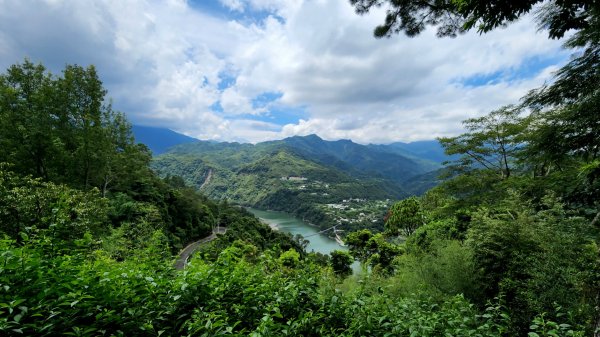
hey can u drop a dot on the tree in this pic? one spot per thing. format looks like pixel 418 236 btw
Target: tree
pixel 383 253
pixel 372 249
pixel 492 142
pixel 48 212
pixel 61 129
pixel 535 258
pixel 290 258
pixel 81 102
pixel 568 108
pixel 565 136
pixel 456 16
pixel 27 136
pixel 340 262
pixel 404 217
pixel 357 242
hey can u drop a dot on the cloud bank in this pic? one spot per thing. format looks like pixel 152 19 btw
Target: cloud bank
pixel 254 70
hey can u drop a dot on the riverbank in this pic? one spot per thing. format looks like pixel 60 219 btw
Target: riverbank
pixel 290 224
pixel 273 226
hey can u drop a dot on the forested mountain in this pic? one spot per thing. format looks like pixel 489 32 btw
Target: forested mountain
pixel 297 174
pixel 344 156
pixel 359 160
pixel 159 140
pixel 395 161
pixel 279 180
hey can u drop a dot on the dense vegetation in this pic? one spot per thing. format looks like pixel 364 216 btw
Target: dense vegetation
pixel 59 130
pixel 304 176
pixel 508 245
pixel 289 175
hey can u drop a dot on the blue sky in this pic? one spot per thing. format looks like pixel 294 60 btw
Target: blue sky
pixel 246 14
pixel 527 69
pixel 255 70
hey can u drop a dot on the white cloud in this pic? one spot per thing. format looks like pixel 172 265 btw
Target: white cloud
pixel 234 5
pixel 163 63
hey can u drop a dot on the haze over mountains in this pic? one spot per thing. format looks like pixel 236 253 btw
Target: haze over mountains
pixel 159 140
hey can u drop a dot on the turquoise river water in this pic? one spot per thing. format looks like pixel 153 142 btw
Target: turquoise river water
pixel 290 224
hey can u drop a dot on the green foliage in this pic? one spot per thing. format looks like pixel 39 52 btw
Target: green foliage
pixel 522 254
pixel 373 249
pixel 458 16
pixel 358 244
pixel 543 327
pixel 90 294
pixel 32 209
pixel 404 217
pixel 568 106
pixel 492 142
pixel 340 262
pixel 290 258
pixel 61 129
pixel 428 236
pixel 448 268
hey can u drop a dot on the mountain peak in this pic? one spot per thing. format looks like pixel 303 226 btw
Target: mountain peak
pixel 159 139
pixel 312 136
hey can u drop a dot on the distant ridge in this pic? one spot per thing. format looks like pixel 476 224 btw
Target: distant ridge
pixel 430 150
pixel 356 159
pixel 302 175
pixel 159 140
pixel 399 164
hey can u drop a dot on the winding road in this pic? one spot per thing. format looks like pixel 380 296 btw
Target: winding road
pixel 186 252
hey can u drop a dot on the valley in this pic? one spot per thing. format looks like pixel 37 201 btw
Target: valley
pixel 323 182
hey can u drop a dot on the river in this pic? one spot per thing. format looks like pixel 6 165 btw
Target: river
pixel 290 224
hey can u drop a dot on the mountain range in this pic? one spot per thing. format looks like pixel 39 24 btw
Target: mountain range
pixel 298 174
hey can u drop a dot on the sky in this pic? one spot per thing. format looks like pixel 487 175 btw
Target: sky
pixel 256 70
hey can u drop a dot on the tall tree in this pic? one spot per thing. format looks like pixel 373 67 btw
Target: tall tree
pixel 27 138
pixel 61 128
pixel 491 142
pixel 570 105
pixel 83 103
pixel 404 217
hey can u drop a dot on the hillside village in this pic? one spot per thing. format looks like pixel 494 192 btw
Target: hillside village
pixel 355 211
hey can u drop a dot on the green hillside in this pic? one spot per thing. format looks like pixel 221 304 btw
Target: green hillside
pixel 270 176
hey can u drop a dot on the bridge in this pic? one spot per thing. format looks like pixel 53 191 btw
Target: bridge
pixel 335 232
